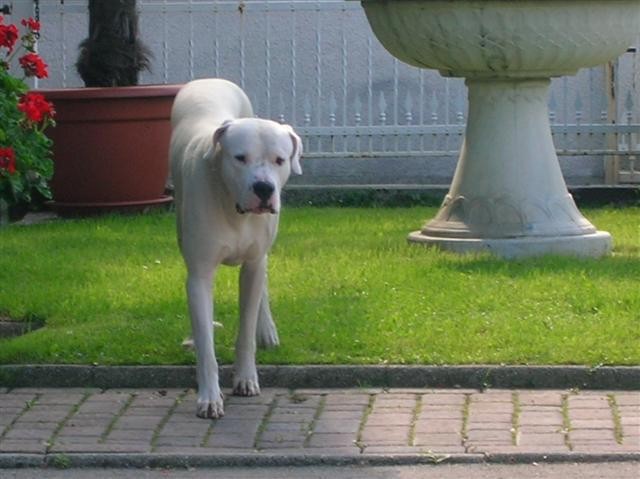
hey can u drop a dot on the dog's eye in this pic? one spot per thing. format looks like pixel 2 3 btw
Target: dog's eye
pixel 279 161
pixel 241 158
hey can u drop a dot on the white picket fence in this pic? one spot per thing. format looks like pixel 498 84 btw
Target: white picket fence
pixel 316 65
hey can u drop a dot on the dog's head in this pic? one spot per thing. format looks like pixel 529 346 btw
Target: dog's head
pixel 257 156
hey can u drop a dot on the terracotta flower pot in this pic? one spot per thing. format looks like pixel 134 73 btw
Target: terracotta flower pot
pixel 110 147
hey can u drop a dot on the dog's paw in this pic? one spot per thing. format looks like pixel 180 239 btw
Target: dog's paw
pixel 267 334
pixel 246 386
pixel 211 405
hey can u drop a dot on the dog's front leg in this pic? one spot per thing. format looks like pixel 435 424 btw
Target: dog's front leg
pixel 252 280
pixel 210 403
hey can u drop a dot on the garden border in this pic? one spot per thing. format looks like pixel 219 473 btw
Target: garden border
pixel 175 461
pixel 320 376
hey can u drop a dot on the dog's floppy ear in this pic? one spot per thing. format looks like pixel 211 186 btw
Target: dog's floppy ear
pixel 220 131
pixel 297 151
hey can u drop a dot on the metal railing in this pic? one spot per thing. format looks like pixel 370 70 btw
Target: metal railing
pixel 316 65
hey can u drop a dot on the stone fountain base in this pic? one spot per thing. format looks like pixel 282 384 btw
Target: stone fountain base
pixel 594 245
pixel 508 196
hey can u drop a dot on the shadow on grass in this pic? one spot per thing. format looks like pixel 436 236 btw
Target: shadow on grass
pixel 617 266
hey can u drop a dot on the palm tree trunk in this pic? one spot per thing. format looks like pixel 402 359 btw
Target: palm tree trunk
pixel 112 55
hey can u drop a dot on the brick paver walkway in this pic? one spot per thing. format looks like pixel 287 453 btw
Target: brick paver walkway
pixel 324 422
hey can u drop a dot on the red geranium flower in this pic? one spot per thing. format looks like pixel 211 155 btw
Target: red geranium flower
pixel 33 65
pixel 32 24
pixel 7 160
pixel 35 107
pixel 8 36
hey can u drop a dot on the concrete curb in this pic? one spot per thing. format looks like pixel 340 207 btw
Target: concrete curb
pixel 124 460
pixel 297 377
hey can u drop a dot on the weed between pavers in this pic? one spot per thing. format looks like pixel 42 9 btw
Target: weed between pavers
pixel 72 412
pixel 566 422
pixel 312 425
pixel 415 414
pixel 617 420
pixel 367 412
pixel 515 418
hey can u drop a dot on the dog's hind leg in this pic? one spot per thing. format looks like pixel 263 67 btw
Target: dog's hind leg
pixel 266 331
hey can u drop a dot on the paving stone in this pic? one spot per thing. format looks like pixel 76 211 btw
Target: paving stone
pixel 175 428
pixel 588 402
pixel 490 435
pixel 451 439
pixel 131 435
pixel 151 411
pixel 18 433
pixel 81 431
pixel 498 418
pixel 492 396
pixel 443 399
pixel 340 415
pixel 542 398
pixel 541 419
pixel 628 399
pixel 53 399
pixel 22 446
pixel 282 436
pixel 244 412
pixel 270 446
pixel 438 426
pixel 227 424
pixel 440 413
pixel 238 441
pixel 179 441
pixel 552 439
pixel 325 440
pixel 288 416
pixel 319 452
pixel 490 407
pixel 592 423
pixel 385 435
pixel 540 429
pixel 437 454
pixel 48 411
pixel 264 399
pixel 389 403
pixel 101 407
pixel 506 449
pixel 356 408
pixel 604 449
pixel 138 422
pixel 346 399
pixel 386 431
pixel 287 426
pixel 334 426
pixel 592 435
pixel 378 418
pixel 98 448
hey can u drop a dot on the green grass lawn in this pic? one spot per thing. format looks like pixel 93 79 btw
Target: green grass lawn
pixel 345 288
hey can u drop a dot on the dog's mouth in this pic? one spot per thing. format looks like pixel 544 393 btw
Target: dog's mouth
pixel 263 208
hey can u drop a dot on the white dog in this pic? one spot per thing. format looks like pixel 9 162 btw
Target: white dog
pixel 228 169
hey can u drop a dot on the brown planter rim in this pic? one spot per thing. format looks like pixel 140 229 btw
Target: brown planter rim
pixel 83 93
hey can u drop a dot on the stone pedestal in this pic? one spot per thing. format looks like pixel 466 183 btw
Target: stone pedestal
pixel 508 195
pixel 508 185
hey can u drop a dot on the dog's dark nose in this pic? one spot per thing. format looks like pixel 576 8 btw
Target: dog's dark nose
pixel 263 190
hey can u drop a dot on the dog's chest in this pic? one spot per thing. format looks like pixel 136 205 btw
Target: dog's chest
pixel 247 242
